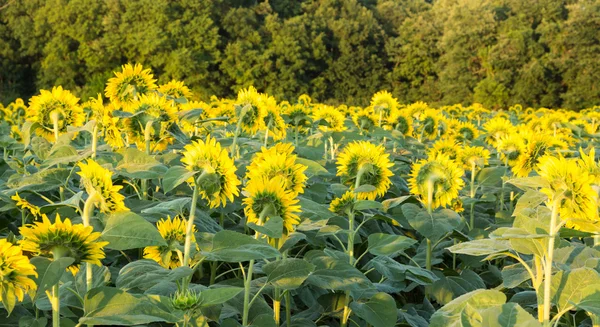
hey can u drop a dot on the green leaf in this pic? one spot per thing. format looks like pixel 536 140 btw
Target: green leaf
pixel 396 271
pixel 508 315
pixel 137 164
pixel 529 201
pixel 569 287
pixel 62 154
pixel 313 210
pixel 127 230
pixel 366 205
pixel 514 275
pixel 335 274
pixel 590 303
pixel 42 181
pixel 466 307
pixel 263 320
pixel 379 311
pixel 389 245
pixel 174 176
pixel 313 168
pixel 365 188
pixel 112 306
pixel 72 202
pixel 49 272
pixel 170 208
pixel 448 288
pixel 288 274
pixel 491 176
pixel 230 246
pixel 433 226
pixel 272 228
pixel 391 203
pixel 145 274
pixel 218 295
pixel 480 247
pixel 528 183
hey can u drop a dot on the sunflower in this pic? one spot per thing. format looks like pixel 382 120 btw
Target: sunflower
pixel 298 116
pixel 97 181
pixel 175 89
pixel 402 121
pixel 383 104
pixel 173 232
pixel 330 119
pixel 217 179
pixel 304 100
pixel 268 198
pixel 497 128
pixel 465 132
pixel 371 162
pixel 26 205
pixel 253 119
pixel 154 112
pixel 129 84
pixel 510 146
pixel 278 161
pixel 438 175
pixel 536 147
pixel 570 184
pixel 428 123
pixel 63 239
pixel 15 270
pixel 365 120
pixel 588 163
pixel 474 156
pixel 192 126
pixel 448 147
pixel 274 123
pixel 57 106
pixel 417 109
pixel 341 205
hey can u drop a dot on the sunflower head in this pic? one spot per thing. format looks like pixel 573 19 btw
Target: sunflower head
pixel 497 128
pixel 15 272
pixel 269 197
pixel 367 162
pixel 173 232
pixel 278 161
pixel 175 90
pixel 384 103
pixel 63 239
pixel 428 124
pixel 402 121
pixel 129 84
pixel 537 146
pixel 56 105
pixel 97 181
pixel 342 204
pixel 465 132
pixel 23 204
pixel 588 163
pixel 252 110
pixel 511 146
pixel 216 178
pixel 569 185
pixel 449 147
pixel 436 180
pixel 365 119
pixel 273 121
pixel 154 112
pixel 330 119
pixel 474 156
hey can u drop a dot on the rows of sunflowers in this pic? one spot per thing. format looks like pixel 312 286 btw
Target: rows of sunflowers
pixel 145 206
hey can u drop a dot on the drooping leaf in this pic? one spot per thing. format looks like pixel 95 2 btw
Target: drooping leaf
pixel 378 311
pixel 174 176
pixel 389 245
pixel 127 230
pixel 288 274
pixel 230 246
pixel 466 307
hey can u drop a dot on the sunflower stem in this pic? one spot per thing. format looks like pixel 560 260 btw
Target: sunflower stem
pixel 288 309
pixel 549 258
pixel 296 134
pixel 190 227
pixel 332 148
pixel 238 128
pixel 147 131
pixel 88 210
pixel 55 302
pixel 248 281
pixel 267 134
pixel 94 140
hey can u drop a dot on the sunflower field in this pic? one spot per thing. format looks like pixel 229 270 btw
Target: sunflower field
pixel 146 206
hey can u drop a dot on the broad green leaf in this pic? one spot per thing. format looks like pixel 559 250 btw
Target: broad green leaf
pixel 313 168
pixel 127 230
pixel 396 271
pixel 137 164
pixel 529 201
pixel 273 227
pixel 170 208
pixel 491 176
pixel 263 320
pixel 365 188
pixel 514 275
pixel 392 203
pixel 528 183
pixel 42 181
pixel 508 315
pixel 467 307
pixel 389 245
pixel 174 176
pixel 145 274
pixel 313 210
pixel 366 205
pixel 576 256
pixel 230 246
pixel 378 311
pixel 336 274
pixel 590 303
pixel 433 226
pixel 288 274
pixel 291 240
pixel 218 295
pixel 112 306
pixel 448 288
pixel 72 202
pixel 569 287
pixel 62 154
pixel 480 247
pixel 49 272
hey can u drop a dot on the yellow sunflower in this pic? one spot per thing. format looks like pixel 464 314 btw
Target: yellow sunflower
pixel 269 197
pixel 63 239
pixel 588 163
pixel 497 128
pixel 129 84
pixel 570 184
pixel 175 89
pixel 299 117
pixel 173 232
pixel 383 104
pixel 511 146
pixel 97 181
pixel 365 120
pixel 402 121
pixel 304 99
pixel 15 270
pixel 23 204
pixel 330 119
pixel 370 162
pixel 341 205
pixel 216 171
pixel 474 156
pixel 427 124
pixel 273 122
pixel 57 107
pixel 154 112
pixel 251 101
pixel 465 132
pixel 447 147
pixel 417 109
pixel 278 161
pixel 536 147
pixel 436 180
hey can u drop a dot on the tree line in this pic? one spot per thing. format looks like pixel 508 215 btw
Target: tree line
pixel 542 53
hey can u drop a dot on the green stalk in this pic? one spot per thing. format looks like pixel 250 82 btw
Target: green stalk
pixel 277 307
pixel 549 258
pixel 54 117
pixel 296 134
pixel 288 309
pixel 147 129
pixel 248 281
pixel 190 227
pixel 472 193
pixel 94 140
pixel 267 134
pixel 238 128
pixel 88 210
pixel 428 253
pixel 55 303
